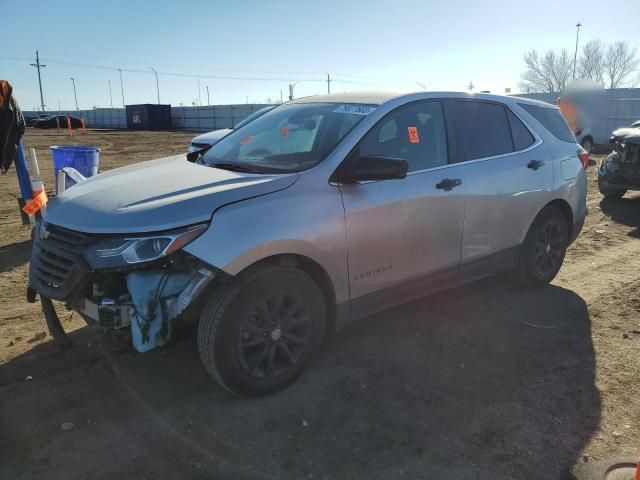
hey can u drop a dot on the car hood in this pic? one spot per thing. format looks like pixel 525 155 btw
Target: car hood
pixel 212 137
pixel 156 195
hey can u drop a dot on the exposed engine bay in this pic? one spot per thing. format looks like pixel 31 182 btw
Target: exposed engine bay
pixel 146 296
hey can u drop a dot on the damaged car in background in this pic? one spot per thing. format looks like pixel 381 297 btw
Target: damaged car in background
pixel 323 210
pixel 620 171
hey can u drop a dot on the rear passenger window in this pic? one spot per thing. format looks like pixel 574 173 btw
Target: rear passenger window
pixel 521 135
pixel 414 133
pixel 552 120
pixel 481 129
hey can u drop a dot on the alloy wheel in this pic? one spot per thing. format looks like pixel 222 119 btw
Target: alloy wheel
pixel 548 248
pixel 274 336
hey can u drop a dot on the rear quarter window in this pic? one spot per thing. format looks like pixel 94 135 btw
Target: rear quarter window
pixel 520 134
pixel 552 120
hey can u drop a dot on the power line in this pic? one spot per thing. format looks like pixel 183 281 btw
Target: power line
pixel 122 61
pixel 215 77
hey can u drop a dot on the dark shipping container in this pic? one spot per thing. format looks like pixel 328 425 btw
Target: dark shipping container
pixel 148 116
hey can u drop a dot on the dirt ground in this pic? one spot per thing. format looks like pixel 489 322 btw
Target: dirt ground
pixel 489 381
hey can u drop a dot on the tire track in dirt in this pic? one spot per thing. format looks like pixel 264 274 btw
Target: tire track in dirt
pixel 601 272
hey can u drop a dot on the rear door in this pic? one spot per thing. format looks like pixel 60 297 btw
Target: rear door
pixel 509 178
pixel 404 235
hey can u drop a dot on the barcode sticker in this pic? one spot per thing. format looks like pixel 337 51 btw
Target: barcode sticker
pixel 355 109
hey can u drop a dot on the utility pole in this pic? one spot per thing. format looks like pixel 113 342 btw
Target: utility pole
pixel 328 84
pixel 280 95
pixel 121 86
pixel 208 102
pixel 291 85
pixel 575 55
pixel 110 97
pixel 74 92
pixel 470 87
pixel 157 83
pixel 38 66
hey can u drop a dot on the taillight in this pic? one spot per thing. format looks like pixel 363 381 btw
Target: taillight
pixel 583 155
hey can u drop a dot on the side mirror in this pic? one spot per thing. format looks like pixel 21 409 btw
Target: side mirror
pixel 374 168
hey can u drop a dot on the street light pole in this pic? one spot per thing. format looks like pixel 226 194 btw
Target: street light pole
pixel 199 92
pixel 74 92
pixel 208 101
pixel 157 84
pixel 110 96
pixel 121 87
pixel 575 55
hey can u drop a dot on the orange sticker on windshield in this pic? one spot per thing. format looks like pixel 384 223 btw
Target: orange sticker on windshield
pixel 246 139
pixel 413 135
pixel 284 132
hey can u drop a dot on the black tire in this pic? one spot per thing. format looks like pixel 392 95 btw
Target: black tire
pixel 613 193
pixel 587 144
pixel 258 332
pixel 544 247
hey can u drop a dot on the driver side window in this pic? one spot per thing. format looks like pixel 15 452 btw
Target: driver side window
pixel 415 133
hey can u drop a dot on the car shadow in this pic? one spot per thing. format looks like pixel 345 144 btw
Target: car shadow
pixel 14 255
pixel 488 381
pixel 625 211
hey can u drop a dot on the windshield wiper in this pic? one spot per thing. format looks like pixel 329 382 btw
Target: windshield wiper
pixel 234 167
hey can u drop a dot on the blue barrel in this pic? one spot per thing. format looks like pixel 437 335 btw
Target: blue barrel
pixel 85 160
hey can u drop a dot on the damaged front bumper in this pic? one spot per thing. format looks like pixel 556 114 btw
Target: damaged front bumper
pixel 618 172
pixel 145 297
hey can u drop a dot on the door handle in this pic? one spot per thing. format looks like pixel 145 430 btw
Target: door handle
pixel 447 184
pixel 535 164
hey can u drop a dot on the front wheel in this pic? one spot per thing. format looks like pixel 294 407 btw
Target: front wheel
pixel 543 250
pixel 258 332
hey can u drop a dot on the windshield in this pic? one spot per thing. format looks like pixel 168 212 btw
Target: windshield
pixel 289 138
pixel 253 116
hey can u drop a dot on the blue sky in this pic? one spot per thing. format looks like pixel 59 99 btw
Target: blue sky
pixel 363 45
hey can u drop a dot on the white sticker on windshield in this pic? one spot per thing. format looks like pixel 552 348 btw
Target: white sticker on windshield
pixel 355 109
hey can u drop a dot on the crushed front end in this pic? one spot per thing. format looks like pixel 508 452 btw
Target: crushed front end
pixel 140 282
pixel 620 171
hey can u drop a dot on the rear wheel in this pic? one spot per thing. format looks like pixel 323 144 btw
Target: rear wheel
pixel 542 253
pixel 259 332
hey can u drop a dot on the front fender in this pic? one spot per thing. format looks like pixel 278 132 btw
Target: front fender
pixel 306 219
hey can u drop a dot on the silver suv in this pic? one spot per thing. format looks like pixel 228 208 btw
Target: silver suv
pixel 325 209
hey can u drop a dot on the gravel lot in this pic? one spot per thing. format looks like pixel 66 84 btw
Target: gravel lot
pixel 489 381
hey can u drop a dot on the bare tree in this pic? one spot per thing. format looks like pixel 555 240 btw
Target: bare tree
pixel 549 73
pixel 592 61
pixel 621 62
